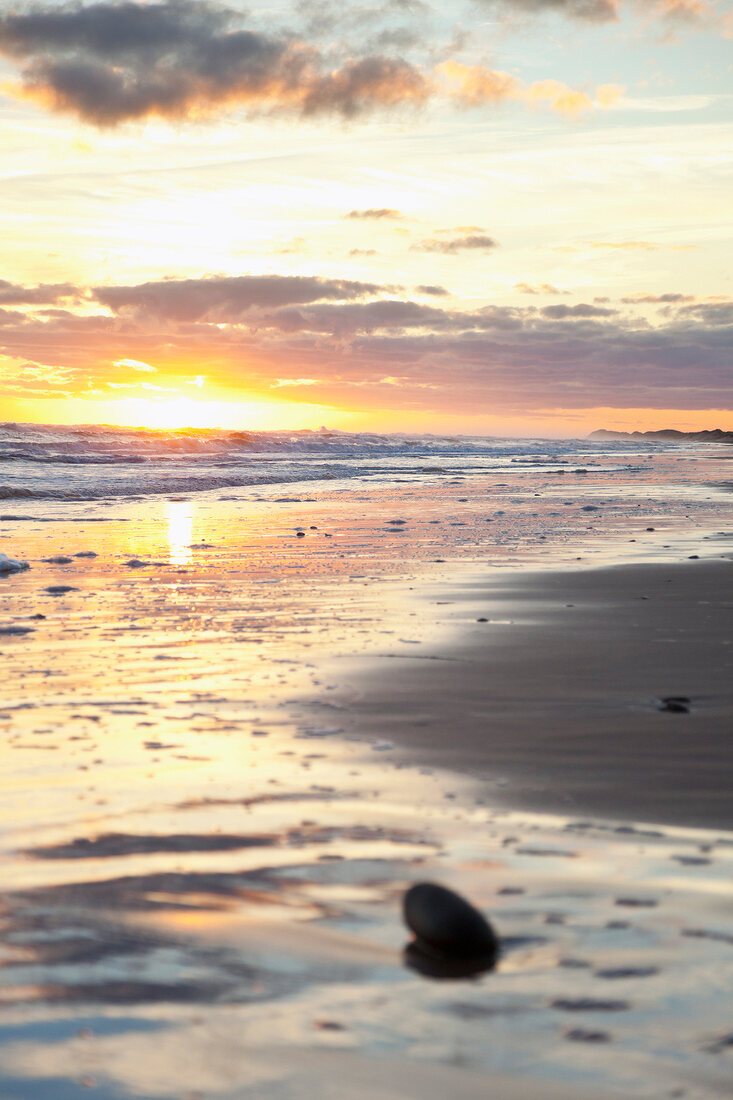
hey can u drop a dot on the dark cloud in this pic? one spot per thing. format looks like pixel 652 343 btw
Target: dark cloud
pixel 359 85
pixel 226 299
pixel 385 314
pixel 476 241
pixel 436 291
pixel 374 214
pixel 389 315
pixel 113 62
pixel 44 294
pixel 712 313
pixel 560 313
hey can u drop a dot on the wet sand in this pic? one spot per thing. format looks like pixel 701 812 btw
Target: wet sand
pixel 223 766
pixel 551 687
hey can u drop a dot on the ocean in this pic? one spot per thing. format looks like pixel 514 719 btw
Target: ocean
pixel 50 462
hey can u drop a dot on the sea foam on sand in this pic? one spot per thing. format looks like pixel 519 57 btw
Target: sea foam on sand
pixel 11 565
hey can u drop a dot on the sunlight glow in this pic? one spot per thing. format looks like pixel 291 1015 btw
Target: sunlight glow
pixel 188 412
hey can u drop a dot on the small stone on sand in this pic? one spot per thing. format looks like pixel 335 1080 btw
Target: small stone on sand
pixel 447 929
pixel 675 704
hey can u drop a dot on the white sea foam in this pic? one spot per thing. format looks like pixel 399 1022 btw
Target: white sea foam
pixel 12 565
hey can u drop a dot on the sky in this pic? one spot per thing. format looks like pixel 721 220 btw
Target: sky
pixel 499 216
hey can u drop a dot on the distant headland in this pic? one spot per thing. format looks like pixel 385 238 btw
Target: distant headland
pixel 717 435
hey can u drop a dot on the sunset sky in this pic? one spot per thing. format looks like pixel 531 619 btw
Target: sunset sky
pixel 503 216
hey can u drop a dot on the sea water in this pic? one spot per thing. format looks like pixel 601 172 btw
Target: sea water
pixel 49 462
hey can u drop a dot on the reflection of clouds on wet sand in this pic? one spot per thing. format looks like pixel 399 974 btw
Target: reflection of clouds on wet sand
pixel 615 956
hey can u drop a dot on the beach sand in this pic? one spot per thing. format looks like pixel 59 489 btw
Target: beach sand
pixel 223 767
pixel 555 683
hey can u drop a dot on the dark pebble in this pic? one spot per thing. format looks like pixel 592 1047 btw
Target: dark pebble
pixel 60 559
pixel 627 972
pixel 583 1035
pixel 60 589
pixel 721 1043
pixel 452 939
pixel 675 704
pixel 588 1004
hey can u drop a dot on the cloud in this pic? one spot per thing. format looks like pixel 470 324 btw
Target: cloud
pixel 560 313
pixel 684 11
pixel 641 246
pixel 595 11
pixel 140 386
pixel 135 364
pixel 110 63
pixel 712 313
pixel 375 214
pixel 476 85
pixel 540 288
pixel 476 242
pixel 34 380
pixel 113 62
pixel 360 317
pixel 280 382
pixel 43 294
pixel 343 343
pixel 604 11
pixel 223 299
pixel 435 291
pixel 657 299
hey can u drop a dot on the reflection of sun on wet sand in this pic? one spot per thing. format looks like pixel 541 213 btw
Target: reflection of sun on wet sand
pixel 180 531
pixel 222 770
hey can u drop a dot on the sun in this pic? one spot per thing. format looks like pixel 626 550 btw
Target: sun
pixel 183 412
